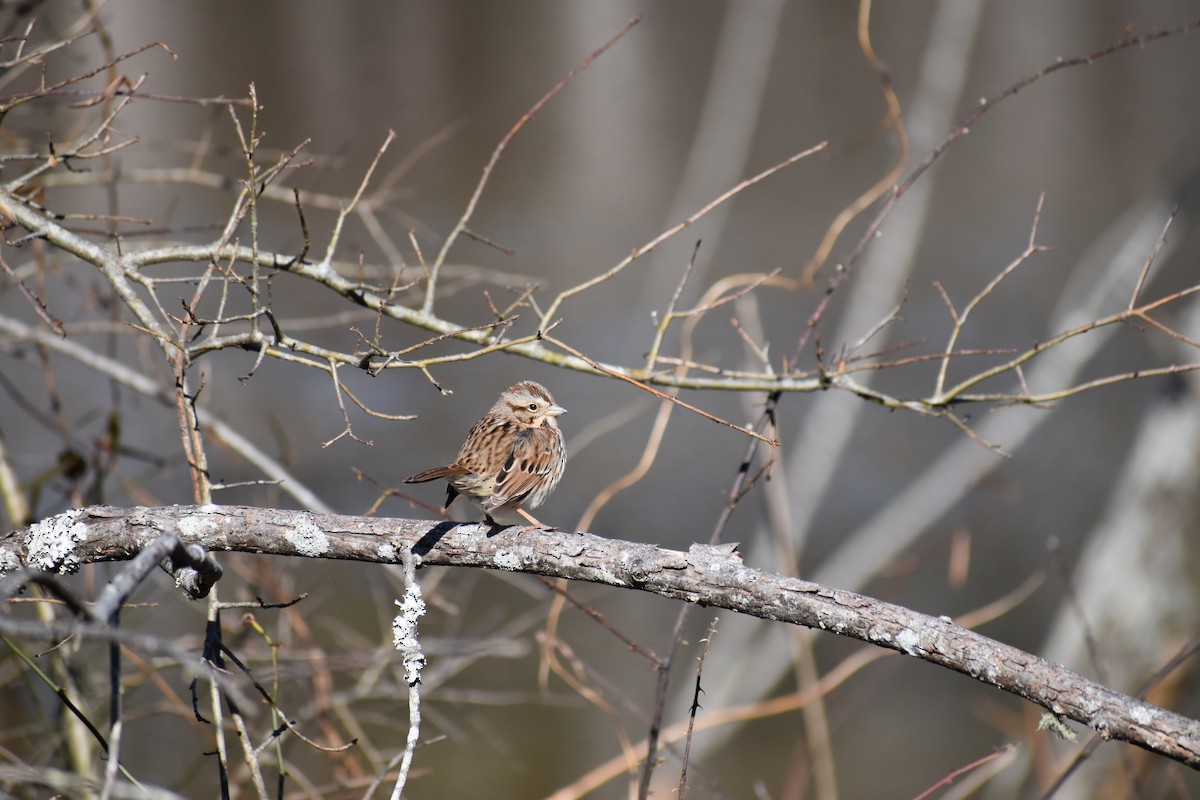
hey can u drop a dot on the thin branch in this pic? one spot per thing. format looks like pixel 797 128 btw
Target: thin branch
pixel 892 121
pixel 362 187
pixel 461 226
pixel 1149 262
pixel 960 130
pixel 687 748
pixel 669 232
pixel 348 429
pixel 954 775
pixel 960 318
pixel 660 395
pixel 39 306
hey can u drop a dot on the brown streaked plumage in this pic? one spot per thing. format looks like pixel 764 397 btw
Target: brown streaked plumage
pixel 512 458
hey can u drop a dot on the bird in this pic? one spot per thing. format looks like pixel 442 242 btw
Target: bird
pixel 512 458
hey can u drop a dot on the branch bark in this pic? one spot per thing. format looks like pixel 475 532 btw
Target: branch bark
pixel 707 575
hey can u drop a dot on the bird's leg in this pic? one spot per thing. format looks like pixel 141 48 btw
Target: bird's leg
pixel 533 521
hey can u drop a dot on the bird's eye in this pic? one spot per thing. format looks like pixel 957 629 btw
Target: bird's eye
pixel 533 406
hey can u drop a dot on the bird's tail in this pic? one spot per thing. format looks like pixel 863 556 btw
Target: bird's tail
pixel 434 474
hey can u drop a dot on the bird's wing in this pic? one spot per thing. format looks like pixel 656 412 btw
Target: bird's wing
pixel 527 464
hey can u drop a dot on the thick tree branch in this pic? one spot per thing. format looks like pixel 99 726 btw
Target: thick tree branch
pixel 706 575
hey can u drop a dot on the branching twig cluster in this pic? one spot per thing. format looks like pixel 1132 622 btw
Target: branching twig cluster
pixel 186 296
pixel 246 316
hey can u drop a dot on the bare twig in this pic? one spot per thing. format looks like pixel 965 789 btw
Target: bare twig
pixel 349 207
pixel 668 233
pixel 1149 262
pixel 892 121
pixel 39 306
pixel 661 395
pixel 960 319
pixel 348 430
pixel 687 748
pixel 963 127
pixel 461 226
pixel 954 775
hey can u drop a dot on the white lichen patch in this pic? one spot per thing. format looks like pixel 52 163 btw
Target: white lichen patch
pixel 386 552
pixel 508 559
pixel 51 542
pixel 910 642
pixel 8 562
pixel 197 526
pixel 1143 715
pixel 308 539
pixel 404 632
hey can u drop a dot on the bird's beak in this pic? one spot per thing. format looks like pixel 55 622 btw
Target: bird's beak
pixel 555 410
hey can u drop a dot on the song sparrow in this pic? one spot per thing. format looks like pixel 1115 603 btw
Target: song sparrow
pixel 512 458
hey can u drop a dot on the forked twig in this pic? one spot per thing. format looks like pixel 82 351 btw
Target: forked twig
pixel 362 187
pixel 960 318
pixel 347 430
